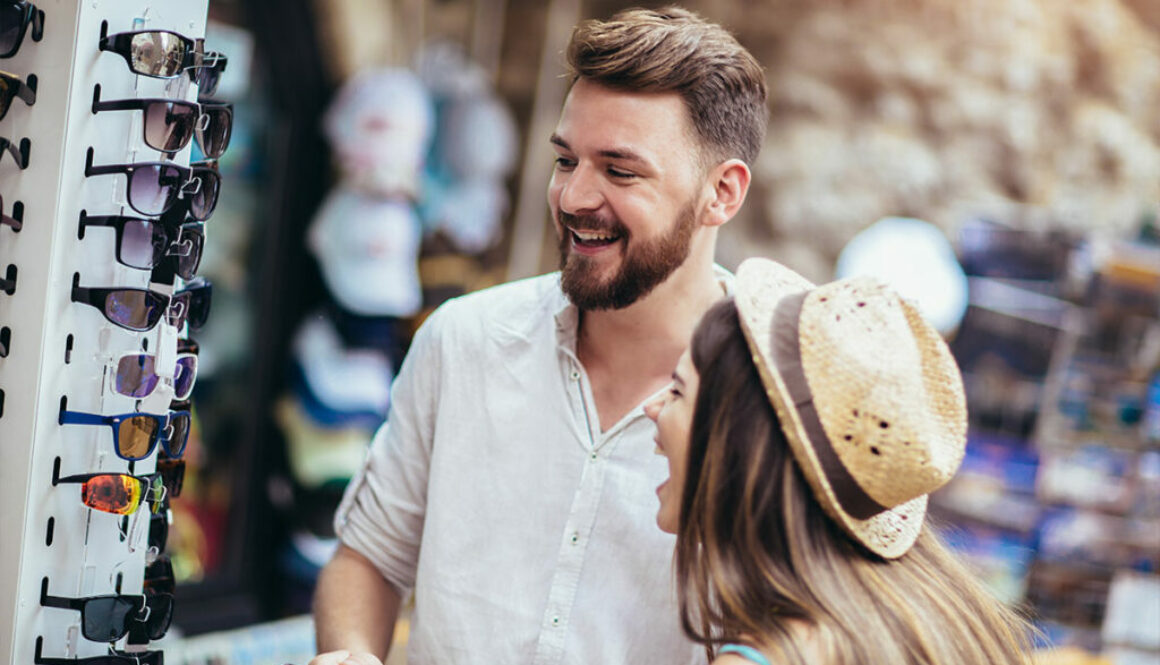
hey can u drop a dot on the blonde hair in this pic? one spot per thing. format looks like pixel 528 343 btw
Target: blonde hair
pixel 675 50
pixel 755 548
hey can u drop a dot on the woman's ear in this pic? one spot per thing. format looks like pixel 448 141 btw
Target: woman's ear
pixel 728 183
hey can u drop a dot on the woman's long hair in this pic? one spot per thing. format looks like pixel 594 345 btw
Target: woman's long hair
pixel 754 547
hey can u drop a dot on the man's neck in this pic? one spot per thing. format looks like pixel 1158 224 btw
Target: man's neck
pixel 644 340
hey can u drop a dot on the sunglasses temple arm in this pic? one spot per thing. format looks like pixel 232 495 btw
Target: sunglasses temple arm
pixel 81 418
pixel 104 169
pixel 16 224
pixel 26 93
pixel 61 603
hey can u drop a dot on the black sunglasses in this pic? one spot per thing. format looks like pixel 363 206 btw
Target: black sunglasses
pixel 12 88
pixel 168 123
pixel 154 187
pixel 112 658
pixel 105 618
pixel 160 54
pixel 135 309
pixel 199 292
pixel 214 127
pixel 15 17
pixel 159 528
pixel 16 221
pixel 208 73
pixel 19 154
pixel 146 243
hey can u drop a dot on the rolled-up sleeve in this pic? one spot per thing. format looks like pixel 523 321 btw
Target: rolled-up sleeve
pixel 382 512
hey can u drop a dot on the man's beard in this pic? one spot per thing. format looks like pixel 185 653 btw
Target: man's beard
pixel 643 265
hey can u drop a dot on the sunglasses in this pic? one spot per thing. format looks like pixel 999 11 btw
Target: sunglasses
pixel 159 576
pixel 168 125
pixel 16 221
pixel 103 618
pixel 146 243
pixel 136 435
pixel 159 614
pixel 111 658
pixel 118 493
pixel 134 309
pixel 135 375
pixel 200 293
pixel 208 73
pixel 19 154
pixel 15 17
pixel 157 53
pixel 214 128
pixel 12 88
pixel 159 530
pixel 154 187
pixel 172 472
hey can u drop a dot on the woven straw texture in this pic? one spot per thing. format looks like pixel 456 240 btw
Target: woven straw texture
pixel 886 388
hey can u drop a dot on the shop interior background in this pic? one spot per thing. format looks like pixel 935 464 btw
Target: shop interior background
pixel 1027 132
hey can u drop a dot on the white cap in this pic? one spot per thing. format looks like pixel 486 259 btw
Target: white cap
pixel 368 249
pixel 345 379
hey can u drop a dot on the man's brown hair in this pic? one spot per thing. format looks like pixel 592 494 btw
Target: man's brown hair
pixel 675 50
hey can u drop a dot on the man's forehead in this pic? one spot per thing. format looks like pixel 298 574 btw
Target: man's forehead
pixel 621 123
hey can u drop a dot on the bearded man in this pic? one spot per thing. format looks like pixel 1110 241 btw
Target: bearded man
pixel 512 489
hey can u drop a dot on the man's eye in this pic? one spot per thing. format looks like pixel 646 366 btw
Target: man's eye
pixel 565 163
pixel 617 173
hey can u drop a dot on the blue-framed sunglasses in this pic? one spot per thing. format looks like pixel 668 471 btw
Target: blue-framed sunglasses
pixel 136 435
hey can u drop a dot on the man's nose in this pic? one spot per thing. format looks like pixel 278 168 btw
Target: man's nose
pixel 580 192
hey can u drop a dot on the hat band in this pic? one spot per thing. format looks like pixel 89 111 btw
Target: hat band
pixel 787 351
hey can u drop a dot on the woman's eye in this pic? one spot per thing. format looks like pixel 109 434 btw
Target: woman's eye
pixel 674 392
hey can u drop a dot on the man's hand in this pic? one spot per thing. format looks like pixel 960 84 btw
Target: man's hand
pixel 344 657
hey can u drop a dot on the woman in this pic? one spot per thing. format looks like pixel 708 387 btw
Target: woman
pixel 804 430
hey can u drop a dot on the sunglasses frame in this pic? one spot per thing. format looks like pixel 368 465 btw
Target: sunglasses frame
pixel 165 245
pixel 81 605
pixel 16 88
pixel 209 72
pixel 127 170
pixel 33 15
pixel 200 291
pixel 163 435
pixel 227 108
pixel 121 43
pixel 113 658
pixel 142 104
pixel 97 297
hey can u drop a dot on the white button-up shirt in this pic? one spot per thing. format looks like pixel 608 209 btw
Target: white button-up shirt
pixel 527 534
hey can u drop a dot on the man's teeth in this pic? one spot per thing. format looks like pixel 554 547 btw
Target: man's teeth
pixel 593 236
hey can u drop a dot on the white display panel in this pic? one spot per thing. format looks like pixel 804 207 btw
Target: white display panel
pixel 57 348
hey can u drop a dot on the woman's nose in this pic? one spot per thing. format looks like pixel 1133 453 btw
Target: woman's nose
pixel 652 409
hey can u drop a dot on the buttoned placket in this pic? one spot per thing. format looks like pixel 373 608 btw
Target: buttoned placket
pixel 581 516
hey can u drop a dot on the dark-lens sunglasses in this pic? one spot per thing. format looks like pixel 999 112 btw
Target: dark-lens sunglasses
pixel 145 243
pixel 153 186
pixel 134 309
pixel 135 375
pixel 17 219
pixel 112 658
pixel 135 435
pixel 214 128
pixel 208 73
pixel 14 20
pixel 158 615
pixel 159 529
pixel 157 53
pixel 118 493
pixel 103 618
pixel 19 154
pixel 168 123
pixel 13 88
pixel 172 472
pixel 159 576
pixel 200 295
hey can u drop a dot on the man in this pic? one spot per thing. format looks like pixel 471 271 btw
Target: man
pixel 513 487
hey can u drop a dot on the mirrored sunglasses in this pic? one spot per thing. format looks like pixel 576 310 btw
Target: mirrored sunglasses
pixel 118 493
pixel 156 53
pixel 134 375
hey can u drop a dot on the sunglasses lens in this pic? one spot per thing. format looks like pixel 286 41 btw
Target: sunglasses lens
pixel 140 240
pixel 160 614
pixel 172 475
pixel 11 24
pixel 135 436
pixel 159 576
pixel 188 250
pixel 107 619
pixel 159 531
pixel 136 375
pixel 184 376
pixel 156 54
pixel 199 306
pixel 115 493
pixel 169 126
pixel 153 188
pixel 178 434
pixel 178 310
pixel 215 138
pixel 204 199
pixel 135 309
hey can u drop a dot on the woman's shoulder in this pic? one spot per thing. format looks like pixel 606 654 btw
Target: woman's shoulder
pixel 740 654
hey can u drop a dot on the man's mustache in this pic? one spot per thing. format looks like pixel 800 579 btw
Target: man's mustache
pixel 591 223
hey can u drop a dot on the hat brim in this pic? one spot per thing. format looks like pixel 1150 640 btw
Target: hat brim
pixel 760 285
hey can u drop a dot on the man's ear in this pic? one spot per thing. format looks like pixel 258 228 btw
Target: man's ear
pixel 727 184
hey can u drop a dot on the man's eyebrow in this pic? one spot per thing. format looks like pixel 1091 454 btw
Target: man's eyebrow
pixel 623 154
pixel 556 140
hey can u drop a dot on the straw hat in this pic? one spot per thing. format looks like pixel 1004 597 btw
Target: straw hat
pixel 867 392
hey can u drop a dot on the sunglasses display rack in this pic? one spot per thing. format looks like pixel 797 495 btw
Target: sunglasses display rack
pixel 58 346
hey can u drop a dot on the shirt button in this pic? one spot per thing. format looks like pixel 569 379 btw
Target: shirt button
pixel 575 375
pixel 575 538
pixel 594 457
pixel 555 621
